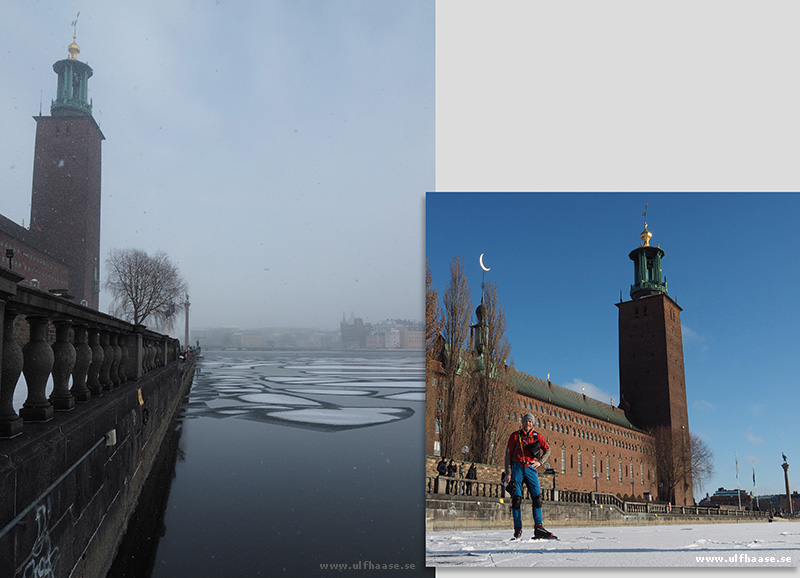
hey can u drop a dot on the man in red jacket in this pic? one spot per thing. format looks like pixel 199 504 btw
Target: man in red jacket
pixel 526 451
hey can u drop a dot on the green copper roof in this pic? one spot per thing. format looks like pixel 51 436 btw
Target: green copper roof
pixel 543 390
pixel 72 93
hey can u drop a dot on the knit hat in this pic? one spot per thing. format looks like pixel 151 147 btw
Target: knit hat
pixel 528 416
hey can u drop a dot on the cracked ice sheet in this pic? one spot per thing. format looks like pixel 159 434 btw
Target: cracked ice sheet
pixel 276 398
pixel 331 391
pixel 408 396
pixel 341 416
pixel 383 384
pixel 745 545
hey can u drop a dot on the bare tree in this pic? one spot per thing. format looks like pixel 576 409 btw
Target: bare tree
pixel 455 330
pixel 675 463
pixel 492 391
pixel 433 315
pixel 144 287
pixel 702 462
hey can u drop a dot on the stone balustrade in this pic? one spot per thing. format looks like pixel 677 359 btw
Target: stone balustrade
pixel 460 487
pixel 66 340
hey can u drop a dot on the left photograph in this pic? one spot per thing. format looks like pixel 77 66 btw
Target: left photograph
pixel 213 342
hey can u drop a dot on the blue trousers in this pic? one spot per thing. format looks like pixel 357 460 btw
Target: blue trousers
pixel 519 475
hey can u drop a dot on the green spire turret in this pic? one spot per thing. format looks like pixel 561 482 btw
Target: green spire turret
pixel 647 276
pixel 72 94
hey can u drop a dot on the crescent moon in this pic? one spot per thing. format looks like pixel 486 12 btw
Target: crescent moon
pixel 484 267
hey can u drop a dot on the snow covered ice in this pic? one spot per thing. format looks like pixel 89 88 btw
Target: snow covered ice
pixel 746 545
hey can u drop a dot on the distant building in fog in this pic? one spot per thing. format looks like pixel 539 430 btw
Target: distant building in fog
pixel 354 333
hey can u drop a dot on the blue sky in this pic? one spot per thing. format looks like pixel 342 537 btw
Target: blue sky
pixel 277 151
pixel 560 261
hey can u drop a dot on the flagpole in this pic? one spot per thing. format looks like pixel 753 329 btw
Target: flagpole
pixel 755 485
pixel 738 491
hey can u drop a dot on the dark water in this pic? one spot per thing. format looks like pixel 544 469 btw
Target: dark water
pixel 287 462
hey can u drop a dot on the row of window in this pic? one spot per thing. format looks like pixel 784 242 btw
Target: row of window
pixel 628 469
pixel 577 419
pixel 583 434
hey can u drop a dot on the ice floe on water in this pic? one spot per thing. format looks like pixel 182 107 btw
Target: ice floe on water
pixel 308 392
pixel 353 416
pixel 276 398
pixel 409 396
pixel 331 391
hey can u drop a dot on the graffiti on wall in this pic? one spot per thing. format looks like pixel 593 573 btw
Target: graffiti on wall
pixel 43 556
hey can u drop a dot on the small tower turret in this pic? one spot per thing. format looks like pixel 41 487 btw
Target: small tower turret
pixel 72 93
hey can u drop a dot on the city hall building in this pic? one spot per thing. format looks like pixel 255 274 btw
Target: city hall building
pixel 596 446
pixel 59 251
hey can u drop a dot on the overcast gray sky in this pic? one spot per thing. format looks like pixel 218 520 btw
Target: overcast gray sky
pixel 278 151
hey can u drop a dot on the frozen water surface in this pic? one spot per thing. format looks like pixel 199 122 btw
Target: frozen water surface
pixel 345 393
pixel 747 545
pixel 410 396
pixel 276 398
pixel 331 391
pixel 342 416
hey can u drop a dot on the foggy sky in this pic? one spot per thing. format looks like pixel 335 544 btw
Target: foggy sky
pixel 279 152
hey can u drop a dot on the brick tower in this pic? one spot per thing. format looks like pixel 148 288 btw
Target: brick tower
pixel 651 377
pixel 65 202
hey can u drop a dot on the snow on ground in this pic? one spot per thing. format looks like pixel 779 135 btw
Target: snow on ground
pixel 755 546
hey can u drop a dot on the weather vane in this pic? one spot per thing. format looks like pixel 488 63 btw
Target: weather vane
pixel 74 25
pixel 644 214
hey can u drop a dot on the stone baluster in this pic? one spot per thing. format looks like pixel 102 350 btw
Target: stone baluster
pixel 64 358
pixel 83 358
pixel 136 350
pixel 93 379
pixel 148 358
pixel 122 342
pixel 108 357
pixel 36 366
pixel 116 356
pixel 10 422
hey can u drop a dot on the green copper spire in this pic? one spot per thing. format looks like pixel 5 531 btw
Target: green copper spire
pixel 647 276
pixel 73 83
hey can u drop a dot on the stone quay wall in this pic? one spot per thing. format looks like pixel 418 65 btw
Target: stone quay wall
pixel 72 464
pixel 472 505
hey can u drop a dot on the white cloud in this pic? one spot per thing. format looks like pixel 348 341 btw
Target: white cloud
pixel 703 405
pixel 752 438
pixel 590 389
pixel 690 336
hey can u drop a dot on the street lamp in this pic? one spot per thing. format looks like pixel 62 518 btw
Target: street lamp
pixel 10 257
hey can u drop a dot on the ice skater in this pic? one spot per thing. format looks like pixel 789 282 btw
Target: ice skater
pixel 526 451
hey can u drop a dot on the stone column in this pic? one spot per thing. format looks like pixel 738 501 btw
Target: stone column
pixel 136 351
pixel 11 365
pixel 83 359
pixel 36 366
pixel 785 467
pixel 122 342
pixel 93 378
pixel 116 356
pixel 64 357
pixel 108 357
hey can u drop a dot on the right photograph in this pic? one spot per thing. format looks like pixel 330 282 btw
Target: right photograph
pixel 611 380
